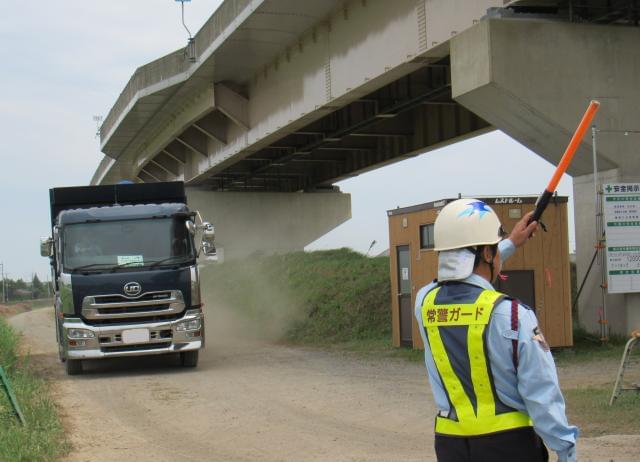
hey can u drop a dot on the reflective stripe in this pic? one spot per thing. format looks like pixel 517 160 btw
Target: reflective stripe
pixel 482 420
pixel 479 376
pixel 452 383
pixel 486 426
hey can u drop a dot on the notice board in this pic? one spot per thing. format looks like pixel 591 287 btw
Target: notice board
pixel 621 204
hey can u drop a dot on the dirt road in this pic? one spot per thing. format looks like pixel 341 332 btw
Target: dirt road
pixel 251 402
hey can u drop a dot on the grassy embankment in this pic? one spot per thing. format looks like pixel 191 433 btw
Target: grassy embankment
pixel 340 300
pixel 336 299
pixel 43 438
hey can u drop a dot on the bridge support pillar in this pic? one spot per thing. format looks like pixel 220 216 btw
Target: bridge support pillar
pixel 268 223
pixel 533 79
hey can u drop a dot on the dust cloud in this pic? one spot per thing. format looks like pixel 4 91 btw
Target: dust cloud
pixel 247 301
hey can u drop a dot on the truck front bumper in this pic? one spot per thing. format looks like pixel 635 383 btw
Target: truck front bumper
pixel 139 339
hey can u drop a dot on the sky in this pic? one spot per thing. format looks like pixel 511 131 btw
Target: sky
pixel 65 62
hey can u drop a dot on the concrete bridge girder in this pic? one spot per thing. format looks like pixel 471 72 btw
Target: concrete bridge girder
pixel 201 126
pixel 326 67
pixel 533 80
pixel 326 107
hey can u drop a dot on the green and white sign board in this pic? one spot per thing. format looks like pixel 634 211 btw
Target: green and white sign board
pixel 622 228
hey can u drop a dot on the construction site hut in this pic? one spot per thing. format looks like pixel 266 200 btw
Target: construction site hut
pixel 538 274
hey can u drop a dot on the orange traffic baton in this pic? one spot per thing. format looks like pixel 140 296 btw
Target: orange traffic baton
pixel 567 157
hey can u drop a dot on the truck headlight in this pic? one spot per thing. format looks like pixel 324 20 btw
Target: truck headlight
pixel 192 324
pixel 80 333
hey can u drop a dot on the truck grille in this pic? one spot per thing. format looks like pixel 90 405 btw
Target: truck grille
pixel 155 296
pixel 134 320
pixel 150 306
pixel 133 309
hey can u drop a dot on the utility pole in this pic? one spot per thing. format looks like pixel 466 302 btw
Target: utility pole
pixel 4 285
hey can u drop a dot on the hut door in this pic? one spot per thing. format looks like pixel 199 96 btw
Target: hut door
pixel 519 284
pixel 404 295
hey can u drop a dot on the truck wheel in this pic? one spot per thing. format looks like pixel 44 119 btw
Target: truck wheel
pixel 189 358
pixel 73 366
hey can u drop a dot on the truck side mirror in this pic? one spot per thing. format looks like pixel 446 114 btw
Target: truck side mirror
pixel 208 239
pixel 46 246
pixel 191 227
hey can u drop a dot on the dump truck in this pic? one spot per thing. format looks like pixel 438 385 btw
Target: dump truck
pixel 125 274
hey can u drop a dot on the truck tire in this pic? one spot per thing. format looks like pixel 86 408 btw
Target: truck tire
pixel 73 366
pixel 189 358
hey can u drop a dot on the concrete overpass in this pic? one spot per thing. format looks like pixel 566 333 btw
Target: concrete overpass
pixel 280 99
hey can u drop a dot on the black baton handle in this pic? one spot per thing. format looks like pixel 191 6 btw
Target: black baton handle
pixel 541 205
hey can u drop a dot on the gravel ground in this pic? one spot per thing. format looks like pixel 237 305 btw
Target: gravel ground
pixel 255 401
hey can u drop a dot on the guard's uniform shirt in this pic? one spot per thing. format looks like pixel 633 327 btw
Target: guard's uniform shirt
pixel 534 390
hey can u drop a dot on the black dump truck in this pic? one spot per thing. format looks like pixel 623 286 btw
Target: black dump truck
pixel 123 261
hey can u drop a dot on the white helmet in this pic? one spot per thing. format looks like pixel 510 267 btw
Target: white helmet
pixel 466 223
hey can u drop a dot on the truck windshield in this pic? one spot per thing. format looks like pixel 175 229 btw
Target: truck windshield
pixel 126 244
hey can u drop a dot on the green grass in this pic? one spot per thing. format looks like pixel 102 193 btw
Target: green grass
pixel 312 298
pixel 589 409
pixel 41 303
pixel 345 295
pixel 43 439
pixel 587 347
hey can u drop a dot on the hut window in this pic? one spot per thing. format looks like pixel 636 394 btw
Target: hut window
pixel 426 237
pixel 515 214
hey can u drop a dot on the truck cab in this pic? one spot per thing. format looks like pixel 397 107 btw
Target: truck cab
pixel 124 265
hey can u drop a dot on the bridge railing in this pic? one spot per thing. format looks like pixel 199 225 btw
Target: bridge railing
pixel 218 22
pixel 174 63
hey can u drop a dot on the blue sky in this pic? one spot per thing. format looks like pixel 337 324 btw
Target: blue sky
pixel 64 62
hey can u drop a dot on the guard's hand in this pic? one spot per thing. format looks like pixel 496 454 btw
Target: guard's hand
pixel 523 230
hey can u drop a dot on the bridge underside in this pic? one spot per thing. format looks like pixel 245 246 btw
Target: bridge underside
pixel 300 95
pixel 404 118
pixel 618 12
pixel 291 96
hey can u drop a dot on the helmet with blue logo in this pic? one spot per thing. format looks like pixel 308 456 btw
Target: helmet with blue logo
pixel 466 223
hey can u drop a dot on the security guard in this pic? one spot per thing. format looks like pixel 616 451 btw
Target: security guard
pixel 492 375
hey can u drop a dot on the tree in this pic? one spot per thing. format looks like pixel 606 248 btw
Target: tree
pixel 38 288
pixel 17 289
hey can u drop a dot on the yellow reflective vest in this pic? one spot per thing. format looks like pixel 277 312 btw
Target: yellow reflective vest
pixel 456 336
